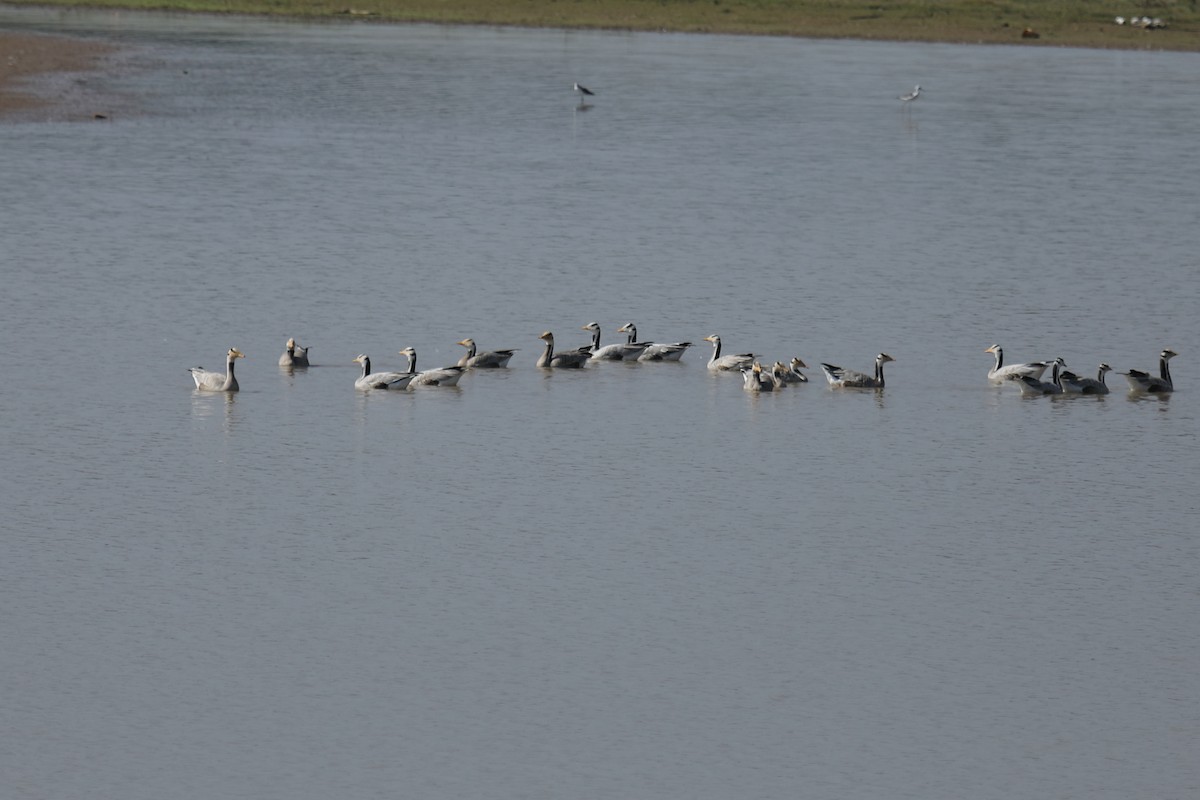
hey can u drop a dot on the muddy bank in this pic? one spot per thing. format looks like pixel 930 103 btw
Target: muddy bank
pixel 48 77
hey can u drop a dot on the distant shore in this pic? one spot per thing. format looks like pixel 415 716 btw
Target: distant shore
pixel 1062 23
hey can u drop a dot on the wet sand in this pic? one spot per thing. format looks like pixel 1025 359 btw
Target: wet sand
pixel 46 76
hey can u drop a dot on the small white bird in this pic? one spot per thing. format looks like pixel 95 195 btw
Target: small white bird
pixel 913 95
pixel 208 381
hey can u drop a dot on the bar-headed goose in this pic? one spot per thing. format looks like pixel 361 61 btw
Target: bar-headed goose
pixel 380 380
pixel 728 362
pixel 1002 372
pixel 568 359
pixel 209 381
pixel 840 378
pixel 443 376
pixel 1145 382
pixel 490 358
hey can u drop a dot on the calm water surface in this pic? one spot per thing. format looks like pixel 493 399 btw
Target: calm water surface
pixel 636 581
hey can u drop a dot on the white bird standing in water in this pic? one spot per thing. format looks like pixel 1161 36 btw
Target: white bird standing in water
pixel 913 95
pixel 584 92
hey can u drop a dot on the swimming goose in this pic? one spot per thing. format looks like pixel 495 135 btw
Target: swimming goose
pixel 380 380
pixel 491 358
pixel 655 351
pixel 571 359
pixel 294 355
pixel 840 378
pixel 755 381
pixel 791 373
pixel 208 381
pixel 1074 384
pixel 1001 373
pixel 444 376
pixel 622 351
pixel 1145 382
pixel 1033 386
pixel 728 362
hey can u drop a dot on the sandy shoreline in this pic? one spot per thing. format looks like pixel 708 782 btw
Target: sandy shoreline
pixel 26 58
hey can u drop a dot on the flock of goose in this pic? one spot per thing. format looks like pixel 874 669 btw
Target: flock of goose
pixel 1027 377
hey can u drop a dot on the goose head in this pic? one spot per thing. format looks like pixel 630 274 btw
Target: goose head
pixel 467 343
pixel 235 353
pixel 547 337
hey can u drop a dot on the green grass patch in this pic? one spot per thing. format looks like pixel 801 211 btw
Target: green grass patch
pixel 1076 23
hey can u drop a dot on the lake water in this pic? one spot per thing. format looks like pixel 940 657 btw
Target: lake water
pixel 633 581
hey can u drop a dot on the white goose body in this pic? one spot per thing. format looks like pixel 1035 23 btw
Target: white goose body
pixel 379 380
pixel 840 378
pixel 567 359
pixel 209 381
pixel 654 351
pixel 1145 382
pixel 728 362
pixel 1074 384
pixel 443 376
pixel 1005 372
pixel 487 359
pixel 1033 386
